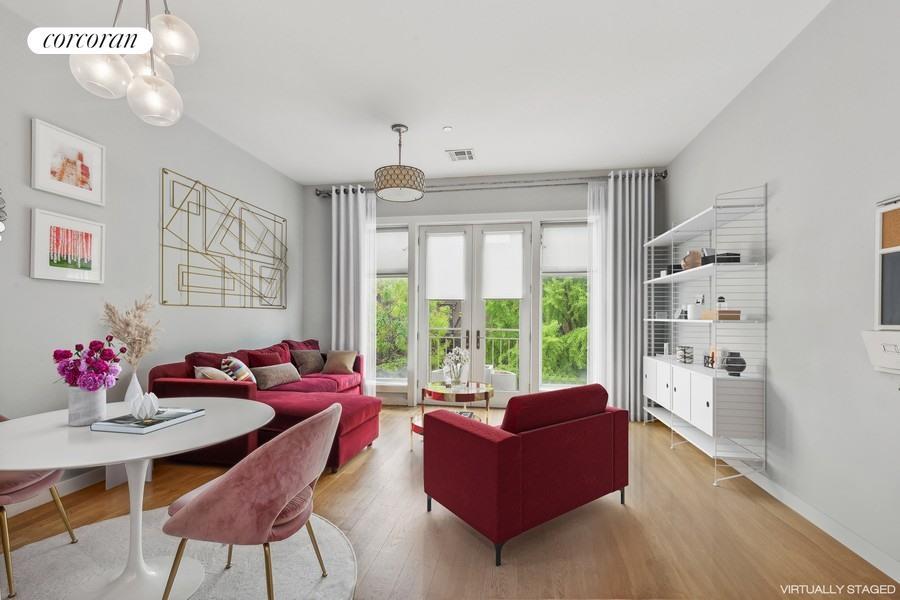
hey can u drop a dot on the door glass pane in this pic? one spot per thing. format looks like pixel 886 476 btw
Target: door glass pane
pixel 445 266
pixel 564 329
pixel 501 265
pixel 392 251
pixel 391 327
pixel 445 319
pixel 564 248
pixel 501 344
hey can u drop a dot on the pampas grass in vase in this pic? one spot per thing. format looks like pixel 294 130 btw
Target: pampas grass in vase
pixel 132 328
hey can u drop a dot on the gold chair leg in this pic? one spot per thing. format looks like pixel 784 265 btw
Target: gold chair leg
pixel 270 586
pixel 312 536
pixel 7 552
pixel 230 550
pixel 174 570
pixel 62 513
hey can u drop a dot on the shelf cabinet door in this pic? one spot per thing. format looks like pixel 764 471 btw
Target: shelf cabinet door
pixel 702 402
pixel 681 393
pixel 663 385
pixel 650 378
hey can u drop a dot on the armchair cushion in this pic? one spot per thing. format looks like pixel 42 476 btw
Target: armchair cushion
pixel 532 411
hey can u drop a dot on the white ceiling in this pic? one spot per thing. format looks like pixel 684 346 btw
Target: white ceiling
pixel 311 88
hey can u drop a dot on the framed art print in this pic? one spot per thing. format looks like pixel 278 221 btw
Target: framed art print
pixel 67 248
pixel 67 164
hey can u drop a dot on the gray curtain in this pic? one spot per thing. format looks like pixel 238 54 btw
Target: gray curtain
pixel 620 214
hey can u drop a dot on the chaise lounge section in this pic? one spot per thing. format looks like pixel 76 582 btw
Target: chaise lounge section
pixel 293 402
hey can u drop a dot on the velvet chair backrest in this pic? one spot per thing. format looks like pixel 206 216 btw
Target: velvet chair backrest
pixel 247 499
pixel 532 411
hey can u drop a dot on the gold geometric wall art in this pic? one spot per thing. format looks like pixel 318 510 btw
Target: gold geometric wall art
pixel 217 250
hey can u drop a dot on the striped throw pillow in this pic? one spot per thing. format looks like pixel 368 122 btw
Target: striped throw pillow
pixel 237 370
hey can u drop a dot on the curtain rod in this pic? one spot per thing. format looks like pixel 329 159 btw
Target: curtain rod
pixel 511 184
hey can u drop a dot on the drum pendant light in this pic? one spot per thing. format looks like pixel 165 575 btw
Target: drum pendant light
pixel 399 183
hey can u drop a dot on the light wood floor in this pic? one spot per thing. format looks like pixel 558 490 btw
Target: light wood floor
pixel 677 536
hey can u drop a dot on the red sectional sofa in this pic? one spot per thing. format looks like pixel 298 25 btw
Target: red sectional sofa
pixel 292 402
pixel 554 452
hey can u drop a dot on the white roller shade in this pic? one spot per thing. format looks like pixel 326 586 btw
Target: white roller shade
pixel 445 266
pixel 565 248
pixel 392 247
pixel 501 265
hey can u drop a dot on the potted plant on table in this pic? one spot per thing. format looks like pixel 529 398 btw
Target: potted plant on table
pixel 89 372
pixel 454 363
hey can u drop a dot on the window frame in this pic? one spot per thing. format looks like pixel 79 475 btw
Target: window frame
pixel 395 384
pixel 542 274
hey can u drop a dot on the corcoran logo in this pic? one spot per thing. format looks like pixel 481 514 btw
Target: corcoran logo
pixel 90 40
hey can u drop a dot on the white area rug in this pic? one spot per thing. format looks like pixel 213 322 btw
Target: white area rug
pixel 53 568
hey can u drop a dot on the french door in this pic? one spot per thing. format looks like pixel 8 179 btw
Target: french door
pixel 475 293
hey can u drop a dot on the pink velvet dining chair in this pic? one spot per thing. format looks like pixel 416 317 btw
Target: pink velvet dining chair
pixel 267 497
pixel 18 486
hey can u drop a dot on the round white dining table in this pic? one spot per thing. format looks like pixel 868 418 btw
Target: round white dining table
pixel 45 441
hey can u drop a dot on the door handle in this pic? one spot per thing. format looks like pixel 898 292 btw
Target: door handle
pixel 477 339
pixel 468 332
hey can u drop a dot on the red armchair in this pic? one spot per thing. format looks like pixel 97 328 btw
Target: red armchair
pixel 554 452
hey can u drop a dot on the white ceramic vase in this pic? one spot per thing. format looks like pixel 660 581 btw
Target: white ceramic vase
pixel 86 407
pixel 144 406
pixel 134 392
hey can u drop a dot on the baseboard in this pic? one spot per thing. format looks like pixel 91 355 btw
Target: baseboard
pixel 865 549
pixel 65 486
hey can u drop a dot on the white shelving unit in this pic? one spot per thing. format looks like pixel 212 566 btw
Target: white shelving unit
pixel 721 413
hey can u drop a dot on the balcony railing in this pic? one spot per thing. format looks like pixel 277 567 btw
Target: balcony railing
pixel 501 347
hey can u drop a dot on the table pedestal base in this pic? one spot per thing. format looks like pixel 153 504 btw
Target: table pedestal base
pixel 149 583
pixel 146 579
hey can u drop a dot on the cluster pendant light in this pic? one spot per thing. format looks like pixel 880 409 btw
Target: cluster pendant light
pixel 399 183
pixel 146 80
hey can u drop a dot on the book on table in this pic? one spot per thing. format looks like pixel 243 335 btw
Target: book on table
pixel 164 417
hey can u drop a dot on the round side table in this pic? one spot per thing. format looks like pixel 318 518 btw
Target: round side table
pixel 464 393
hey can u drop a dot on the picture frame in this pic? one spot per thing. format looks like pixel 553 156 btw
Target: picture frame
pixel 67 164
pixel 66 248
pixel 887 267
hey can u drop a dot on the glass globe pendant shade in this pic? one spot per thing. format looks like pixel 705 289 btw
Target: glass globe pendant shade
pixel 104 75
pixel 174 40
pixel 155 100
pixel 140 65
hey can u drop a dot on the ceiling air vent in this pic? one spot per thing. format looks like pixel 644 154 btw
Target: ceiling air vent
pixel 458 155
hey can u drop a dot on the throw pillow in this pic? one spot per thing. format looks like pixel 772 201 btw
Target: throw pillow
pixel 275 375
pixel 340 363
pixel 308 361
pixel 211 373
pixel 265 359
pixel 213 359
pixel 310 344
pixel 281 349
pixel 237 370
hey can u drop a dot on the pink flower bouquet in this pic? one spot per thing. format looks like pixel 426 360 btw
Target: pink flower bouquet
pixel 92 368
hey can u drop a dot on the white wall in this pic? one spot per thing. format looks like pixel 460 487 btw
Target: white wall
pixel 37 316
pixel 820 125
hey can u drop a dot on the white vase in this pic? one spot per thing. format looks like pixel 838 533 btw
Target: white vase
pixel 134 392
pixel 144 406
pixel 86 407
